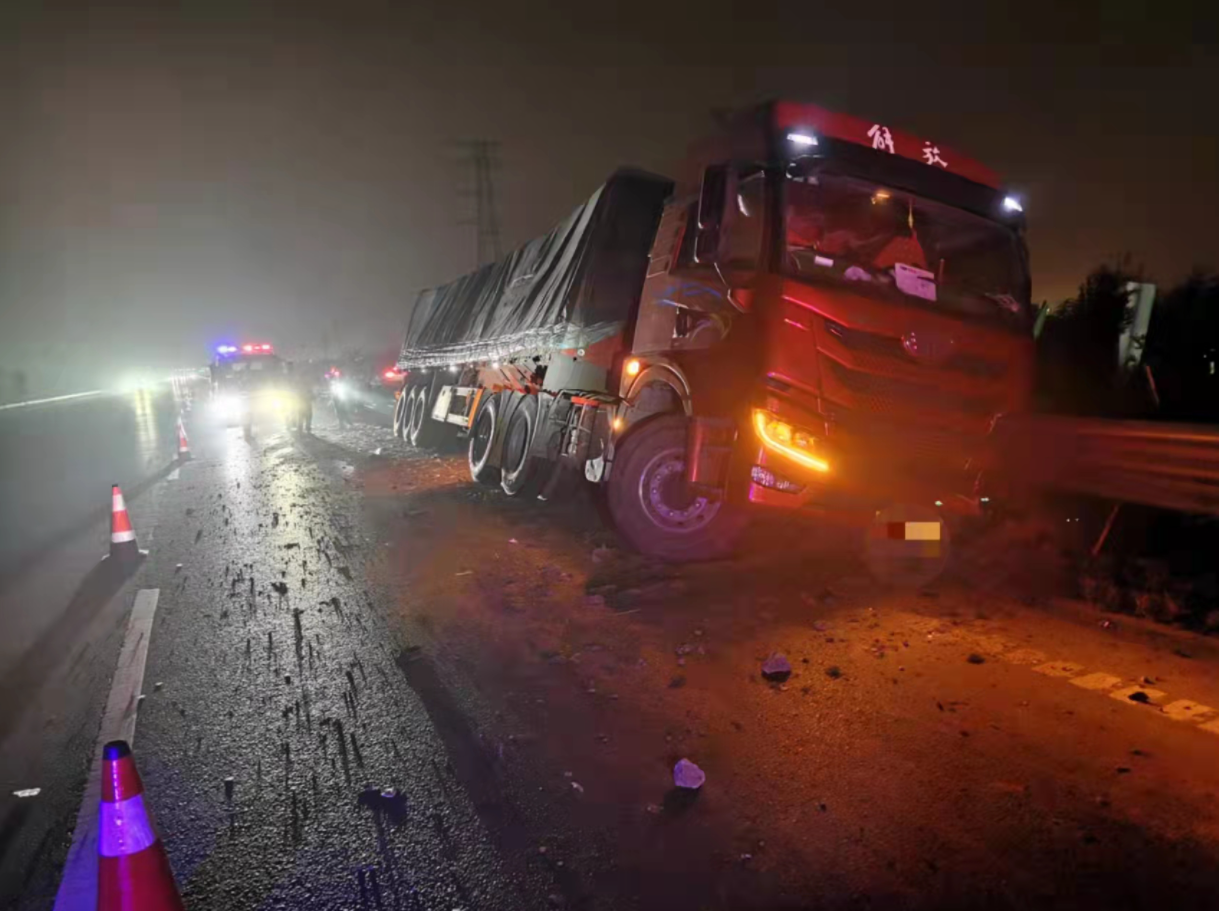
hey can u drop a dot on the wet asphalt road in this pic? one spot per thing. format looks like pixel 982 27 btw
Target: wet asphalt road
pixel 61 616
pixel 372 685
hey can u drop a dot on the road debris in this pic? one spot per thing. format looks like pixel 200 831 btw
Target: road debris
pixel 280 587
pixel 975 658
pixel 776 667
pixel 687 775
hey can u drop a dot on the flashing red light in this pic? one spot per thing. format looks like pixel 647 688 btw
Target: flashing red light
pixel 391 375
pixel 247 347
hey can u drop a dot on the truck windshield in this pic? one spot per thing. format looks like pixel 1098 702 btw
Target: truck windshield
pixel 891 243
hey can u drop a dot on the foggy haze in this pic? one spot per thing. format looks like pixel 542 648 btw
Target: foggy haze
pixel 175 179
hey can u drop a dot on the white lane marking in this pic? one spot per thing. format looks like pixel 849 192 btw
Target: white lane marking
pixel 78 887
pixel 1124 694
pixel 57 398
pixel 173 475
pixel 1059 669
pixel 1097 681
pixel 1186 710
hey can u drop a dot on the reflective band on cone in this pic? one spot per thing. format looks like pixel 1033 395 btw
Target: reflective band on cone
pixel 132 869
pixel 122 535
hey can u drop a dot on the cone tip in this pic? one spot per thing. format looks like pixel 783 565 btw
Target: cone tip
pixel 115 750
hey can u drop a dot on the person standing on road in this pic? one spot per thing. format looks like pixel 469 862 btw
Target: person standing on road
pixel 304 400
pixel 339 395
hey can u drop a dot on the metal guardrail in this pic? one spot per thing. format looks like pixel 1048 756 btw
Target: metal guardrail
pixel 1171 466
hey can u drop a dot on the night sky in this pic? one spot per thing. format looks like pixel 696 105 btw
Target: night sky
pixel 176 178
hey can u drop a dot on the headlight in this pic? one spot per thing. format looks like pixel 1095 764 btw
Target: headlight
pixel 281 401
pixel 795 443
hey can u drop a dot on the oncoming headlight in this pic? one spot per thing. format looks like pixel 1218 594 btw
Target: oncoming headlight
pixel 793 442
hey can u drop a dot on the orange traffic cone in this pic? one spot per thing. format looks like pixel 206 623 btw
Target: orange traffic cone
pixel 122 535
pixel 183 443
pixel 132 870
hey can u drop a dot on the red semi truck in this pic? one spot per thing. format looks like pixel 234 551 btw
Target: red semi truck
pixel 821 313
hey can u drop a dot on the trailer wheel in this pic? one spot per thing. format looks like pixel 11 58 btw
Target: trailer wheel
pixel 400 415
pixel 482 435
pixel 650 506
pixel 521 471
pixel 425 432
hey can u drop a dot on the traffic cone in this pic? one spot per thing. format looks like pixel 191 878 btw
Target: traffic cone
pixel 183 443
pixel 122 535
pixel 132 870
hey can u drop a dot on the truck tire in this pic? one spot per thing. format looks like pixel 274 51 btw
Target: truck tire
pixel 650 507
pixel 482 437
pixel 425 432
pixel 521 472
pixel 400 415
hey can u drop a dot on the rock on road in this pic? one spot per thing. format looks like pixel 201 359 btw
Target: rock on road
pixel 373 684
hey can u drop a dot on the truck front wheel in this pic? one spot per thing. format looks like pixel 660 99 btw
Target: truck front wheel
pixel 651 505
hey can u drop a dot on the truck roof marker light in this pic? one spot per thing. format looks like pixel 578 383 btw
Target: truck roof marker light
pixel 1012 204
pixel 633 366
pixel 771 431
pixel 804 140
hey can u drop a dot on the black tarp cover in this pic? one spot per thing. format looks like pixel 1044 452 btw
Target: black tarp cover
pixel 577 285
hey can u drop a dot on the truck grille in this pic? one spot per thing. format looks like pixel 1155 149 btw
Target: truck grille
pixel 887 348
pixel 897 397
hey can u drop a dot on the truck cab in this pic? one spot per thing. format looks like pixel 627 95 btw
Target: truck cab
pixel 250 383
pixel 841 310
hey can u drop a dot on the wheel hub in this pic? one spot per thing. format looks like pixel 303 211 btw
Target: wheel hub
pixel 666 498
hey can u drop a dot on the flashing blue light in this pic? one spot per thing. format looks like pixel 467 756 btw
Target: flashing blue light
pixel 226 349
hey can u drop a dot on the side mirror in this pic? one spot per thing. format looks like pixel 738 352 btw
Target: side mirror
pixel 718 186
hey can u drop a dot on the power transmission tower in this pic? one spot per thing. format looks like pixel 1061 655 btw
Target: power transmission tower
pixel 482 158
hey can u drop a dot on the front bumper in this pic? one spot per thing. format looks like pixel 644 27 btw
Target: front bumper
pixel 869 473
